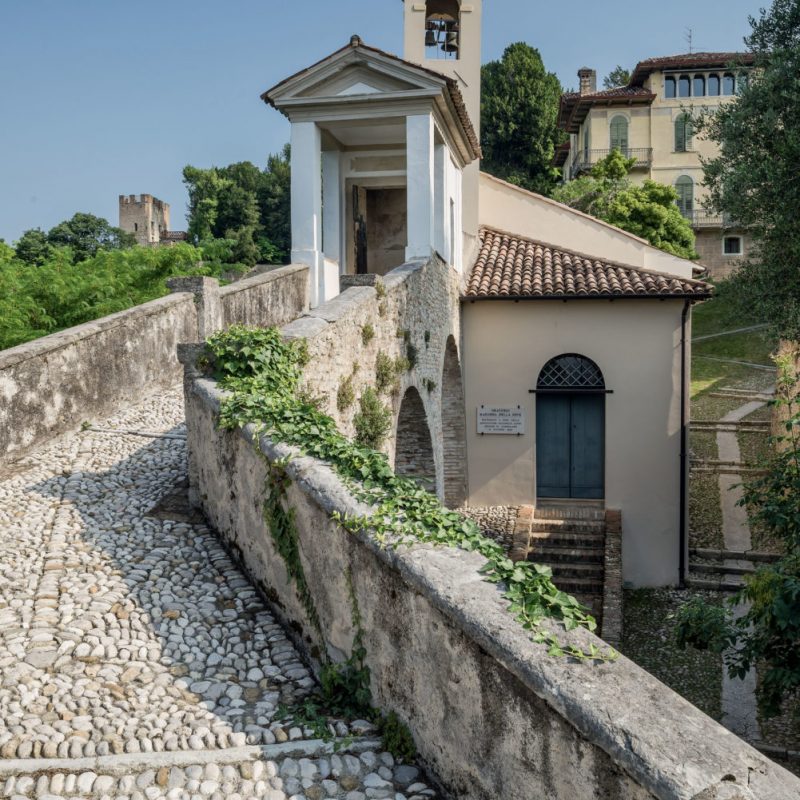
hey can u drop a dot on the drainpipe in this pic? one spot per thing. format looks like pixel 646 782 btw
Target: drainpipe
pixel 684 447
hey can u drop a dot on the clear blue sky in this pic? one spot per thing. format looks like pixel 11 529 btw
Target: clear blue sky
pixel 101 98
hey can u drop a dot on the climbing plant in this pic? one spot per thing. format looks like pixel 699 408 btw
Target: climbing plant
pixel 261 373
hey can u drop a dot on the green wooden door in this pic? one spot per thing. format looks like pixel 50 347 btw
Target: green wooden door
pixel 570 445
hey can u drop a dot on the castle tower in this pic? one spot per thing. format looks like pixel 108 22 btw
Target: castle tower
pixel 145 216
pixel 445 36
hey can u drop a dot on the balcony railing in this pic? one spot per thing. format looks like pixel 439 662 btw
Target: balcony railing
pixel 586 159
pixel 704 219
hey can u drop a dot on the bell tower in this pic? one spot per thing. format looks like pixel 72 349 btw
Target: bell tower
pixel 445 35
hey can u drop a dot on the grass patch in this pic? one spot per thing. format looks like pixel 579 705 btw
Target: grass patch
pixel 705 511
pixel 703 445
pixel 649 640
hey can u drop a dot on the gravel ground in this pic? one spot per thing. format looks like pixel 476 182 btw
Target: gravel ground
pixel 705 511
pixel 649 640
pixel 124 631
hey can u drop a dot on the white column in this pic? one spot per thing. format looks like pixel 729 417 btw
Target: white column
pixel 331 205
pixel 420 176
pixel 307 202
pixel 440 201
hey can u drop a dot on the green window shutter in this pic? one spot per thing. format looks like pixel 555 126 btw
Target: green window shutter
pixel 619 134
pixel 680 134
pixel 684 186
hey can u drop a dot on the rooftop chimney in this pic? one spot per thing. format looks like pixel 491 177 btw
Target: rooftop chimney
pixel 588 80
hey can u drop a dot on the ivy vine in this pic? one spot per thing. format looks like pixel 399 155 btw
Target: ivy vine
pixel 261 372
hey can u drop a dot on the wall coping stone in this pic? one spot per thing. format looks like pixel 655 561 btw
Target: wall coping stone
pixel 663 742
pixel 267 275
pixel 343 304
pixel 59 339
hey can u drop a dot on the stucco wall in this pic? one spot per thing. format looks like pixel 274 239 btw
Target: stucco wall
pixel 53 384
pixel 636 344
pixel 509 208
pixel 420 308
pixel 492 715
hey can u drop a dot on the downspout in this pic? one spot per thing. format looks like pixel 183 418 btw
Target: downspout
pixel 684 447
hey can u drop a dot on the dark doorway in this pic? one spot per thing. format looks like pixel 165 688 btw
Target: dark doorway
pixel 379 229
pixel 570 430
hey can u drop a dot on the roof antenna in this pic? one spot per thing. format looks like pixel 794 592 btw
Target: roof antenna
pixel 689 37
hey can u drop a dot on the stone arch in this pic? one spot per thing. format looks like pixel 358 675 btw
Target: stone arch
pixel 413 455
pixel 454 429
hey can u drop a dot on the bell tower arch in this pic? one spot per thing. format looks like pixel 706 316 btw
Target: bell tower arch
pixel 445 36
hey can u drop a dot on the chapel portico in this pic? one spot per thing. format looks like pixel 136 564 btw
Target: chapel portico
pixel 379 146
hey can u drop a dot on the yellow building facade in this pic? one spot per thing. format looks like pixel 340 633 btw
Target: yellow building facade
pixel 649 120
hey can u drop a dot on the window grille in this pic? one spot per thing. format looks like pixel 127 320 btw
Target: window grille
pixel 571 372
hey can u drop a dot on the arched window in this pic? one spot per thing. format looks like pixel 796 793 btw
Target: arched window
pixel 699 86
pixel 619 134
pixel 713 85
pixel 728 84
pixel 684 86
pixel 442 29
pixel 572 373
pixel 669 86
pixel 684 186
pixel 683 133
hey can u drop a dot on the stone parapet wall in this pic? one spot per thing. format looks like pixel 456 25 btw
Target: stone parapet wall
pixel 415 305
pixel 492 714
pixel 53 384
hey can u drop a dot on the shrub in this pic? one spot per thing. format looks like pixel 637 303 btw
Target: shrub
pixel 373 421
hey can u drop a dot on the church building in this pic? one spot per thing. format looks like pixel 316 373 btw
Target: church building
pixel 574 335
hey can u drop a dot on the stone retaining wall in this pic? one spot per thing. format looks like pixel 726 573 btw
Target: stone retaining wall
pixel 412 310
pixel 53 384
pixel 492 714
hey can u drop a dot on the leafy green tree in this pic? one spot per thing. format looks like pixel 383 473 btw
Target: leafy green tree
pixel 649 211
pixel 619 76
pixel 754 179
pixel 33 247
pixel 86 235
pixel 767 635
pixel 274 202
pixel 519 119
pixel 240 202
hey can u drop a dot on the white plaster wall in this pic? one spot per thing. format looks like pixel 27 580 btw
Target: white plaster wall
pixel 509 208
pixel 637 346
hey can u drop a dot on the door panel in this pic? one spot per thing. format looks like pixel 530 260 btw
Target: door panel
pixel 570 446
pixel 553 445
pixel 587 446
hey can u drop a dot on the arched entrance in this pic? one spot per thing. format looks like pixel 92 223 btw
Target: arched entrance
pixel 454 429
pixel 413 457
pixel 570 429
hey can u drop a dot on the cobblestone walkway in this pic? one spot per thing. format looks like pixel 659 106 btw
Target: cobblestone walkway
pixel 136 660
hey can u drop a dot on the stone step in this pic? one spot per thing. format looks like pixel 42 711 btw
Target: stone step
pixel 571 569
pixel 579 586
pixel 545 548
pixel 570 511
pixel 715 585
pixel 582 525
pixel 568 538
pixel 696 567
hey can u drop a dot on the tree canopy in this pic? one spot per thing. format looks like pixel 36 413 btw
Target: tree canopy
pixel 85 235
pixel 519 119
pixel 241 203
pixel 619 76
pixel 648 211
pixel 754 179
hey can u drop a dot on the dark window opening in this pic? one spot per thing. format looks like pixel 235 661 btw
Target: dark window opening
pixel 728 84
pixel 699 87
pixel 669 87
pixel 684 86
pixel 732 245
pixel 442 29
pixel 713 85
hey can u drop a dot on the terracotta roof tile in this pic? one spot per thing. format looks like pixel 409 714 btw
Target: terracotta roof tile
pixel 514 267
pixel 688 61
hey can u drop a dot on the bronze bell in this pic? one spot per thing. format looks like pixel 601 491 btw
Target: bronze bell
pixel 430 38
pixel 451 42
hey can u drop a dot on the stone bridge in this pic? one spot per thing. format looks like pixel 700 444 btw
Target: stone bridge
pixel 138 659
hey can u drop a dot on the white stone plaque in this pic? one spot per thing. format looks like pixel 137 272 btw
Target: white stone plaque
pixel 503 420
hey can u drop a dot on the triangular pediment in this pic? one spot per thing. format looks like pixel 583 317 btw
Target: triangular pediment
pixel 353 71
